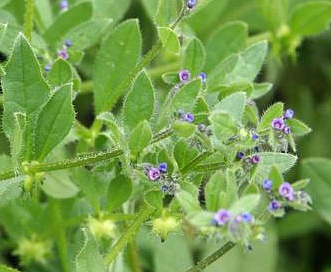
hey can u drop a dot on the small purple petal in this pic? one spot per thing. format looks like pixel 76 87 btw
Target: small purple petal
pixel 184 75
pixel 267 185
pixel 274 205
pixel 68 43
pixel 154 173
pixel 222 217
pixel 191 3
pixel 163 167
pixel 189 117
pixel 63 54
pixel 289 113
pixel 255 136
pixel 203 77
pixel 278 123
pixel 240 155
pixel 255 159
pixel 286 190
pixel 64 5
pixel 287 130
pixel 47 68
pixel 247 217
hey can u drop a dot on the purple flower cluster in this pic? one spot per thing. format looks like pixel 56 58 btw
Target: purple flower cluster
pixel 63 53
pixel 280 123
pixel 187 117
pixel 223 216
pixel 154 173
pixel 185 76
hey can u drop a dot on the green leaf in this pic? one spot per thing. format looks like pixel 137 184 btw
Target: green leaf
pixel 188 202
pixel 59 185
pixel 10 189
pixel 119 191
pixel 274 12
pixel 311 18
pixel 140 137
pixel 298 128
pixel 184 153
pixel 276 176
pixel 215 186
pixel 245 204
pixel 319 171
pixel 184 99
pixel 260 89
pixel 124 43
pixel 110 9
pixel 7 269
pixel 17 140
pixel 169 39
pixel 25 91
pixel 170 78
pixel 87 34
pixel 60 73
pixel 154 198
pixel 54 122
pixel 194 57
pixel 167 12
pixel 233 104
pixel 109 120
pixel 223 125
pixel 76 15
pixel 274 111
pixel 230 38
pixel 240 68
pixel 140 101
pixel 89 258
pixel 44 15
pixel 183 129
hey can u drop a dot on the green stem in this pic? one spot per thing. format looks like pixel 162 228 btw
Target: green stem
pixel 160 70
pixel 200 266
pixel 28 19
pixel 129 233
pixel 162 135
pixel 134 257
pixel 209 167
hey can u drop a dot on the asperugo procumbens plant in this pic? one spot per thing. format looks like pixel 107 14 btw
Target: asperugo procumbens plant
pixel 201 159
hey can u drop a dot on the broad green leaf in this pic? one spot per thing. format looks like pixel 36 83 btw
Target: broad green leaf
pixel 274 111
pixel 260 89
pixel 154 198
pixel 76 15
pixel 6 163
pixel 183 129
pixel 201 219
pixel 112 9
pixel 25 91
pixel 183 153
pixel 214 187
pixel 150 7
pixel 230 38
pixel 300 184
pixel 170 78
pixel 7 269
pixel 44 15
pixel 54 121
pixel 311 18
pixel 124 43
pixel 10 189
pixel 140 137
pixel 233 104
pixel 318 170
pixel 60 73
pixel 240 68
pixel 167 12
pixel 87 34
pixel 223 125
pixel 276 176
pixel 89 258
pixel 184 99
pixel 298 128
pixel 119 191
pixel 59 185
pixel 274 12
pixel 188 202
pixel 140 101
pixel 245 204
pixel 194 57
pixel 169 39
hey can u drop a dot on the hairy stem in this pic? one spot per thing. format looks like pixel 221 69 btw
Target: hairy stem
pixel 129 233
pixel 200 266
pixel 28 19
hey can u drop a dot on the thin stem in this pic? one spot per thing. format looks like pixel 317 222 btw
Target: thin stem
pixel 130 232
pixel 162 135
pixel 28 19
pixel 200 266
pixel 208 167
pixel 134 257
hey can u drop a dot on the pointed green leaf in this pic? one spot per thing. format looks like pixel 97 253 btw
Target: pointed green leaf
pixel 167 12
pixel 74 16
pixel 169 39
pixel 87 34
pixel 188 202
pixel 230 38
pixel 245 204
pixel 10 189
pixel 233 104
pixel 183 153
pixel 25 91
pixel 298 128
pixel 194 57
pixel 184 99
pixel 183 129
pixel 60 73
pixel 119 191
pixel 140 101
pixel 154 198
pixel 54 122
pixel 274 12
pixel 44 14
pixel 260 89
pixel 170 78
pixel 124 43
pixel 140 137
pixel 223 125
pixel 319 171
pixel 109 120
pixel 274 111
pixel 276 176
pixel 311 18
pixel 113 9
pixel 214 187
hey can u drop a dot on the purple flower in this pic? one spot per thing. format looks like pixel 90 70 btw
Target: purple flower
pixel 286 190
pixel 47 68
pixel 63 54
pixel 184 75
pixel 255 159
pixel 164 188
pixel 191 3
pixel 203 77
pixel 255 136
pixel 247 217
pixel 267 185
pixel 189 117
pixel 222 217
pixel 289 113
pixel 64 5
pixel 274 205
pixel 240 155
pixel 154 173
pixel 163 167
pixel 278 123
pixel 68 43
pixel 287 130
